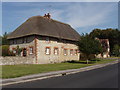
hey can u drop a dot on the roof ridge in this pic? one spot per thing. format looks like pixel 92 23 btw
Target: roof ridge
pixel 47 19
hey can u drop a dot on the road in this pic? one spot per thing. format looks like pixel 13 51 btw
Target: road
pixel 105 77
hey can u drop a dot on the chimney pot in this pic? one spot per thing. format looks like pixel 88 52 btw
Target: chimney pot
pixel 48 15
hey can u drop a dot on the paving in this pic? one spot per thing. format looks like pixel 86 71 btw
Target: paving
pixel 40 76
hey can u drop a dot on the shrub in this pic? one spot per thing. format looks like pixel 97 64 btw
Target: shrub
pixel 6 51
pixel 116 50
pixel 84 57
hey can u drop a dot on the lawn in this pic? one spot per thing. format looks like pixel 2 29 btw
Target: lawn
pixel 12 71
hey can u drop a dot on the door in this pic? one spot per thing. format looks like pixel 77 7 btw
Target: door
pixel 24 52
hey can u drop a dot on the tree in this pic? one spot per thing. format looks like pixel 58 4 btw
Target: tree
pixel 5 51
pixel 112 34
pixel 18 50
pixel 88 46
pixel 116 50
pixel 0 40
pixel 4 39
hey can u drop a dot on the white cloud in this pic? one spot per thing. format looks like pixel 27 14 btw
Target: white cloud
pixel 78 15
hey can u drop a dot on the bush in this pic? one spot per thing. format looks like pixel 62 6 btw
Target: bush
pixel 116 50
pixel 6 51
pixel 84 57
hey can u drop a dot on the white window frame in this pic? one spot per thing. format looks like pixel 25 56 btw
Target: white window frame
pixel 56 51
pixel 14 51
pixel 76 51
pixel 65 52
pixel 71 52
pixel 30 50
pixel 47 50
pixel 47 39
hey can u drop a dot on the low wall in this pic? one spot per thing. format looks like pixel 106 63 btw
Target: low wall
pixel 13 60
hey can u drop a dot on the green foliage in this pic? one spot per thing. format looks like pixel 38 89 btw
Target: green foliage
pixel 6 52
pixel 18 50
pixel 116 50
pixel 4 39
pixel 84 57
pixel 0 40
pixel 112 34
pixel 88 46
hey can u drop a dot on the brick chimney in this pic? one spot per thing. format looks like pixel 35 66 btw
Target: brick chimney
pixel 47 16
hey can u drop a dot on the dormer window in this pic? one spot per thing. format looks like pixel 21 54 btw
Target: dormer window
pixel 47 39
pixel 14 41
pixel 24 40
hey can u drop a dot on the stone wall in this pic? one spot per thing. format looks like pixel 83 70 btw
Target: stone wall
pixel 42 58
pixel 13 60
pixel 39 45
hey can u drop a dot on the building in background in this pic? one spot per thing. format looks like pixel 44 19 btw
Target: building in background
pixel 106 48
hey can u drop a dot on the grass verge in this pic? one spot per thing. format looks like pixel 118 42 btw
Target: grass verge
pixel 12 71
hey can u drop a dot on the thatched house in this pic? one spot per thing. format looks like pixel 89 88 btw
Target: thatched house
pixel 46 40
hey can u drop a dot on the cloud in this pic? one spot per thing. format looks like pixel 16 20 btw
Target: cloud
pixel 89 14
pixel 79 15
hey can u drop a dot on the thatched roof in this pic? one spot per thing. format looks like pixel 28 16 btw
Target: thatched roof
pixel 39 25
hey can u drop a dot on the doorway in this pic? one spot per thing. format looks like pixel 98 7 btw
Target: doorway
pixel 24 52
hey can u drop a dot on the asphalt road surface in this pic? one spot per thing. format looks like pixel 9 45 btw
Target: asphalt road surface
pixel 105 77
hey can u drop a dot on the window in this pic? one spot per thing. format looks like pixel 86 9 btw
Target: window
pixel 31 50
pixel 71 51
pixel 14 41
pixel 56 51
pixel 24 40
pixel 47 39
pixel 64 41
pixel 14 51
pixel 47 50
pixel 76 51
pixel 65 51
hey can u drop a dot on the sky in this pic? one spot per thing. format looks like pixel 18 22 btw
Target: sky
pixel 82 16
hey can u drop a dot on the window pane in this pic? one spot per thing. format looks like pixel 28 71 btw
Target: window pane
pixel 71 51
pixel 65 51
pixel 31 50
pixel 47 39
pixel 56 51
pixel 76 51
pixel 47 51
